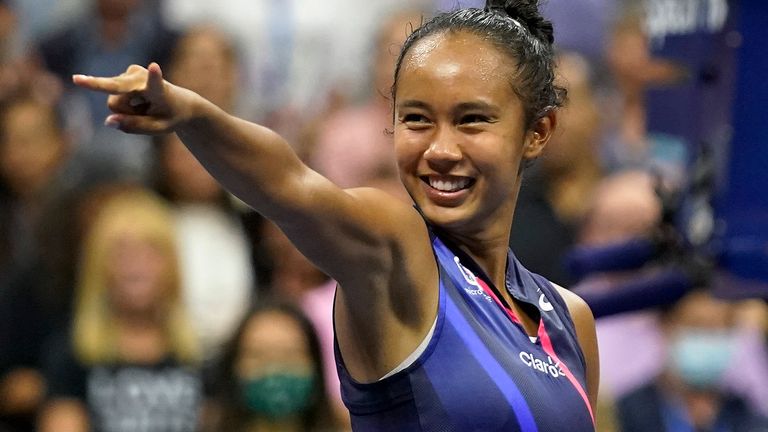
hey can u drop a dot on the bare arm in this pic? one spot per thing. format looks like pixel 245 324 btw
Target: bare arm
pixel 258 166
pixel 374 245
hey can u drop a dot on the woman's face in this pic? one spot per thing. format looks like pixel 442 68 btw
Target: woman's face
pixel 137 274
pixel 202 54
pixel 460 131
pixel 272 341
pixel 31 148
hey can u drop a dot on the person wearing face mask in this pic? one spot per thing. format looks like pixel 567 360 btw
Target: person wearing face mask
pixel 270 376
pixel 688 396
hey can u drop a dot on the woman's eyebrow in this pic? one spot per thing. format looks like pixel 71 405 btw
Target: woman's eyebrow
pixel 413 104
pixel 475 105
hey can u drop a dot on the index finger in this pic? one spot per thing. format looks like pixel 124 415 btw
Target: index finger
pixel 111 85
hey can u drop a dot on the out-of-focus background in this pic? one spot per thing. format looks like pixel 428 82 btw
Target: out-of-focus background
pixel 137 295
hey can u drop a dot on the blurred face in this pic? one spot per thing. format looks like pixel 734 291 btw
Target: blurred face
pixel 629 57
pixel 701 340
pixel 702 311
pixel 624 206
pixel 293 274
pixel 137 271
pixel 578 120
pixel 31 148
pixel 204 65
pixel 187 179
pixel 390 40
pixel 272 341
pixel 460 132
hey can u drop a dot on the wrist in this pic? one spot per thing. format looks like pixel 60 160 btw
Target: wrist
pixel 190 107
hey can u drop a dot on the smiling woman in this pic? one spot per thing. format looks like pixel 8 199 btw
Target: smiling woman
pixel 435 318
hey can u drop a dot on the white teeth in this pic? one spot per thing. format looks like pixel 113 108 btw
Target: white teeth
pixel 449 185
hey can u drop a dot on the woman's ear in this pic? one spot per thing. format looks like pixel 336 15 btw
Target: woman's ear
pixel 539 134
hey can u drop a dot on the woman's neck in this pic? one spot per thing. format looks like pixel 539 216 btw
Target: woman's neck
pixel 140 341
pixel 489 247
pixel 488 251
pixel 492 257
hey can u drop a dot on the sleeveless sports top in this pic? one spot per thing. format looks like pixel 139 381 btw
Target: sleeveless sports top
pixel 480 370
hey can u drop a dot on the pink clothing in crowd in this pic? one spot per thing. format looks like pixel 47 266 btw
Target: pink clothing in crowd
pixel 317 304
pixel 353 146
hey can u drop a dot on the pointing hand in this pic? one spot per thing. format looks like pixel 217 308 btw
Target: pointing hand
pixel 141 100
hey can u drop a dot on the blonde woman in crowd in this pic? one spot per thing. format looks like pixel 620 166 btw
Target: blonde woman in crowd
pixel 128 363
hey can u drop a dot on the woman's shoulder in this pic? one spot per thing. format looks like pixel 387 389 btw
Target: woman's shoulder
pixel 584 323
pixel 581 314
pixel 577 307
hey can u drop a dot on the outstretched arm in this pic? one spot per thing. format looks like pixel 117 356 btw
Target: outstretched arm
pixel 257 165
pixel 375 246
pixel 251 161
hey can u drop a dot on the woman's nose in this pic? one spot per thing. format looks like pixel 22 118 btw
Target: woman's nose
pixel 444 148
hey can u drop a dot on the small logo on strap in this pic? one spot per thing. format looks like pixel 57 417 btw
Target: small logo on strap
pixel 544 304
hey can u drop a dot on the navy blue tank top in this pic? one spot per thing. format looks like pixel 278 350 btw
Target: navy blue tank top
pixel 481 371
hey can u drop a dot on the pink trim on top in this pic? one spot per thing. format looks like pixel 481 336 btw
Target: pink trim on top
pixel 490 292
pixel 546 344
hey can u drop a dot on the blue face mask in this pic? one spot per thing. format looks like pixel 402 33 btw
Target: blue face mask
pixel 278 395
pixel 701 357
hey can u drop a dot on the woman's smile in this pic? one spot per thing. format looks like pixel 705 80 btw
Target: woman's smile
pixel 447 190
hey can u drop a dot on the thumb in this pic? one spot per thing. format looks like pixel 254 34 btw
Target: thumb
pixel 155 81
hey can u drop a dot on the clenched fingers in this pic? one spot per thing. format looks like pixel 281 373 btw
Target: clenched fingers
pixel 139 124
pixel 129 103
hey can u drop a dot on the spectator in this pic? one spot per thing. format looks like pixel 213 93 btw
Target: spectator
pixel 110 33
pixel 701 335
pixel 296 280
pixel 747 374
pixel 206 61
pixel 217 276
pixel 627 143
pixel 271 375
pixel 352 145
pixel 113 33
pixel 291 275
pixel 33 151
pixel 19 70
pixel 35 302
pixel 622 206
pixel 128 363
pixel 555 194
pixel 296 52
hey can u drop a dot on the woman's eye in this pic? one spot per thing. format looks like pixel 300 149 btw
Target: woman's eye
pixel 474 118
pixel 414 118
pixel 415 121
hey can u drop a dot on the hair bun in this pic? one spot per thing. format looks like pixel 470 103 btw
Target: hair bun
pixel 526 12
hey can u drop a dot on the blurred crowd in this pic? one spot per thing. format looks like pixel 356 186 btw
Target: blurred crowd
pixel 137 295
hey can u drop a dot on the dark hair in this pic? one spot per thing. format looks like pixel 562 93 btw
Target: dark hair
pixel 160 180
pixel 516 28
pixel 234 416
